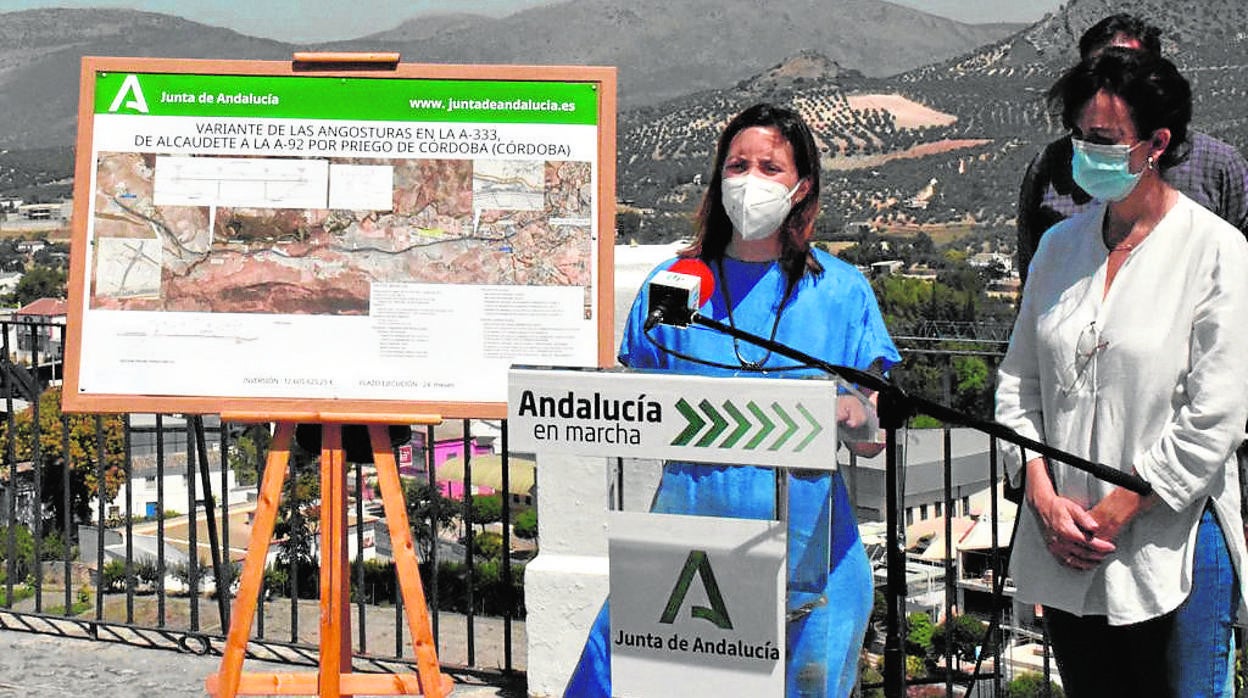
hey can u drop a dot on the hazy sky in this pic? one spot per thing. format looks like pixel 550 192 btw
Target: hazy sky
pixel 322 20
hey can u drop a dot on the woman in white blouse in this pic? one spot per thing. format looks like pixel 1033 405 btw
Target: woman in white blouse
pixel 1131 349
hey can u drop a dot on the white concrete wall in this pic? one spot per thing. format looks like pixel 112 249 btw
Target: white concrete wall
pixel 566 584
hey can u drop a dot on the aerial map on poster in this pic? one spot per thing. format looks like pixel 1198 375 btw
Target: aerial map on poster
pixel 289 236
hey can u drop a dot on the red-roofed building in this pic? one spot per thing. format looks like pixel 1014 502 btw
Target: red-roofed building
pixel 39 330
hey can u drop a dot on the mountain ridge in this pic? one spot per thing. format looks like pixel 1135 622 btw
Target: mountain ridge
pixel 40 49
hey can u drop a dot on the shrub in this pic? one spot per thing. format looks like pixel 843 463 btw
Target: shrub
pixel 488 545
pixel 490 589
pixel 193 583
pixel 24 544
pixel 278 577
pixel 526 524
pixel 380 583
pixel 276 580
pixel 20 593
pixel 919 634
pixel 1031 685
pixel 869 674
pixel 113 577
pixel 233 570
pixel 145 571
pixel 916 667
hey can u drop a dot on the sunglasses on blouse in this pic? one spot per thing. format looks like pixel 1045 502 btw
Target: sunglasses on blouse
pixel 1089 344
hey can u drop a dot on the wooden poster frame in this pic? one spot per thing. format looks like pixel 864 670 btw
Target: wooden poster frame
pixel 345 66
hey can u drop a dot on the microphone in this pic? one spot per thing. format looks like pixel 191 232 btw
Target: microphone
pixel 677 292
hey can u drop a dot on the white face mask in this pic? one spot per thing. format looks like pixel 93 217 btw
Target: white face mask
pixel 756 206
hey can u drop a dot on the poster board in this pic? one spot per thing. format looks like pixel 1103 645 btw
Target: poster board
pixel 257 236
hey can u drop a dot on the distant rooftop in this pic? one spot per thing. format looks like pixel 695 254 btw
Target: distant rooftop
pixel 47 307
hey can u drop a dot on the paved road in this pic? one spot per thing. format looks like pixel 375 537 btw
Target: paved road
pixel 48 666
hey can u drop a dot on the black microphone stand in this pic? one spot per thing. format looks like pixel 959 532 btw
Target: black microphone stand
pixel 894 407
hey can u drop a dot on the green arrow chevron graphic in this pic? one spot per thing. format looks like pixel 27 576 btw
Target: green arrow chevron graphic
pixel 743 425
pixel 705 414
pixel 816 428
pixel 718 424
pixel 788 432
pixel 766 429
pixel 695 423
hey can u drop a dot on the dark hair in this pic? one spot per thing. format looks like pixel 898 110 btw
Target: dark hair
pixel 715 228
pixel 1156 95
pixel 1099 35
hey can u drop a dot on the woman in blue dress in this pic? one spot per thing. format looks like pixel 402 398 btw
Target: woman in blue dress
pixel 754 231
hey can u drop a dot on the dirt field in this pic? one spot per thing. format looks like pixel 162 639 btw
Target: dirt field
pixel 858 162
pixel 57 231
pixel 908 114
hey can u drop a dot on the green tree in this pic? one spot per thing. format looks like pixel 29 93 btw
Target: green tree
pixel 428 513
pixel 247 456
pixel 83 454
pixel 24 550
pixel 298 519
pixel 484 510
pixel 923 244
pixel 52 255
pixel 973 386
pixel 525 525
pixel 11 259
pixel 39 282
pixel 919 628
pixel 1031 685
pixel 966 637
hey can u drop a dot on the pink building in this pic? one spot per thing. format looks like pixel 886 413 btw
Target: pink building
pixel 448 442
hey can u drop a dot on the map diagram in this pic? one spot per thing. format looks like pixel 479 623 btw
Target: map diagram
pixel 311 235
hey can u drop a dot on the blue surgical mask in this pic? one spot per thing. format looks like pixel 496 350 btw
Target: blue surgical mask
pixel 1104 171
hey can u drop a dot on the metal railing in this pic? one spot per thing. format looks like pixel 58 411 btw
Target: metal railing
pixel 110 524
pixel 129 528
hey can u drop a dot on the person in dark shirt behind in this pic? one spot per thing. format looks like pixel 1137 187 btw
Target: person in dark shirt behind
pixel 1211 172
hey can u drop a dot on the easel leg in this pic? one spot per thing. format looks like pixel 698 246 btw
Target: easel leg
pixel 253 566
pixel 334 677
pixel 406 564
pixel 335 637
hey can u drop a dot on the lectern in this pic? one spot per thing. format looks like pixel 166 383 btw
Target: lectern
pixel 697 603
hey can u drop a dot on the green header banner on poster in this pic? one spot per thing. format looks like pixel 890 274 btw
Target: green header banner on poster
pixel 369 99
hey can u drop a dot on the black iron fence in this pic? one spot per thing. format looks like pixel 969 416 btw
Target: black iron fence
pixel 130 528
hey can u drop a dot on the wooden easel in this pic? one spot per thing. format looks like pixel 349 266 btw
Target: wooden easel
pixel 334 677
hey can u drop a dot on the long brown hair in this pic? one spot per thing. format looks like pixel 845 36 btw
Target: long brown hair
pixel 715 228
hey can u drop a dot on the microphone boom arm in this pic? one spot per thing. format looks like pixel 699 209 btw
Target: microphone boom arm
pixel 896 405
